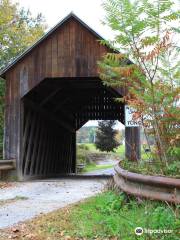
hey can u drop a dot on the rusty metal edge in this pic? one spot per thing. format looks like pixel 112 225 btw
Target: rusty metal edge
pixel 142 193
pixel 148 179
pixel 138 185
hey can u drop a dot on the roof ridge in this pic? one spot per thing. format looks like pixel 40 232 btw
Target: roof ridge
pixel 60 23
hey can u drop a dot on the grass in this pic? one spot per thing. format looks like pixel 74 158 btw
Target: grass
pixel 92 148
pixel 120 151
pixel 151 168
pixel 144 166
pixel 93 167
pixel 105 216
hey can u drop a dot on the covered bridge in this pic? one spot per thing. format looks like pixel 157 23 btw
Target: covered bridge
pixel 52 90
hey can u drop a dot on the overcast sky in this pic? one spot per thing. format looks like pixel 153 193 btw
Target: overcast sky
pixel 54 11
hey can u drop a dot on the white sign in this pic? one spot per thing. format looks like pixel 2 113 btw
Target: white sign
pixel 130 117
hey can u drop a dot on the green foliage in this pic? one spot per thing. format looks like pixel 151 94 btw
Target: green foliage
pixel 87 154
pixel 83 147
pixel 93 167
pixel 82 151
pixel 105 136
pixel 174 168
pixel 18 30
pixel 150 168
pixel 92 147
pixel 144 34
pixel 86 134
pixel 115 215
pixel 107 216
pixel 120 151
pixel 111 215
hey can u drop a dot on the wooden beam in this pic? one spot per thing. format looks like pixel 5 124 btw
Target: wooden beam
pixel 81 124
pixel 132 143
pixel 50 97
pixel 49 115
pixel 60 105
pixel 114 92
pixel 62 110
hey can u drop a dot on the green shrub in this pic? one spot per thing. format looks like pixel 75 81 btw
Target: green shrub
pixel 82 151
pixel 83 147
pixel 81 156
pixel 111 215
pixel 173 168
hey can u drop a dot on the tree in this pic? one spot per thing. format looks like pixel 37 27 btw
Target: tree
pixel 147 67
pixel 119 136
pixel 106 136
pixel 92 134
pixel 18 30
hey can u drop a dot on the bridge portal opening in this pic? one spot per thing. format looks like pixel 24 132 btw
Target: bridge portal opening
pixel 94 161
pixel 51 113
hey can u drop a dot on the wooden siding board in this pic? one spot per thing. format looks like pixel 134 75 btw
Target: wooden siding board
pixel 55 56
pixel 70 51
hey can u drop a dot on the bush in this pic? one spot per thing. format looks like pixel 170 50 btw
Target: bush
pixel 82 151
pixel 81 156
pixel 83 147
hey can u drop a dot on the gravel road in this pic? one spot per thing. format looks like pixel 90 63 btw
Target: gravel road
pixel 108 172
pixel 43 197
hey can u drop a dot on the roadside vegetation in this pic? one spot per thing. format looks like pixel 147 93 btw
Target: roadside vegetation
pixel 88 156
pixel 147 64
pixel 149 168
pixel 106 136
pixel 106 216
pixel 144 166
pixel 93 167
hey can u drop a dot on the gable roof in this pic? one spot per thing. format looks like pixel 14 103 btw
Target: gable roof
pixel 71 15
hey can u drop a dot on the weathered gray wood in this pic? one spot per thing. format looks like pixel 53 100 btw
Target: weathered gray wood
pixel 44 153
pixel 48 98
pixel 73 166
pixel 30 140
pixel 27 123
pixel 49 115
pixel 40 147
pixel 35 147
pixel 132 143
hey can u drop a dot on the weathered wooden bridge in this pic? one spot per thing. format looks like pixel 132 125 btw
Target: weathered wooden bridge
pixel 52 90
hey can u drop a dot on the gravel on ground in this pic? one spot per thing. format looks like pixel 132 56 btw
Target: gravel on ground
pixel 37 197
pixel 99 172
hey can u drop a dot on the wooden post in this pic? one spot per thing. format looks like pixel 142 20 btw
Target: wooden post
pixel 73 169
pixel 132 143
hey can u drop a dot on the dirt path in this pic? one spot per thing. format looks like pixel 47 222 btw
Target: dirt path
pixel 104 172
pixel 108 171
pixel 27 200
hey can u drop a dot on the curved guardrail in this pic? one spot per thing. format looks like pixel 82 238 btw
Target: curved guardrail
pixel 152 187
